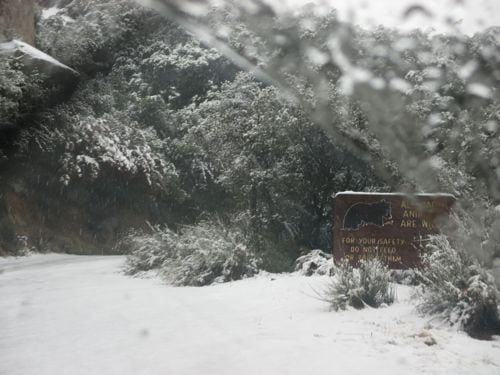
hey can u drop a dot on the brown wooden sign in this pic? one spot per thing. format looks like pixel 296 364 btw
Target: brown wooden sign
pixel 390 226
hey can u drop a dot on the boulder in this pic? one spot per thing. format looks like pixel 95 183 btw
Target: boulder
pixel 316 262
pixel 34 59
pixel 58 79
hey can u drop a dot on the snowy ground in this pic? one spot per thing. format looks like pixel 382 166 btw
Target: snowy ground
pixel 62 314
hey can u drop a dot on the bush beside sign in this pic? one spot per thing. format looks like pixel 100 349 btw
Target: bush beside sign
pixel 389 226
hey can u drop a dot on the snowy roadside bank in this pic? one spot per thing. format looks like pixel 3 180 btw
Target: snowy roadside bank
pixel 63 314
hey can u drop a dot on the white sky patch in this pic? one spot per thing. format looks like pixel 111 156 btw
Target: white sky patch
pixel 449 16
pixel 49 12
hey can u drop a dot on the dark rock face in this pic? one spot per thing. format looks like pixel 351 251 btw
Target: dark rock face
pixel 27 224
pixel 17 20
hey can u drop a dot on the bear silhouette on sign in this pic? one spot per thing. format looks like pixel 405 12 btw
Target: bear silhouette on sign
pixel 362 214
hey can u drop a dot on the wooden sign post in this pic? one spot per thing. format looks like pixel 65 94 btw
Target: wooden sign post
pixel 389 226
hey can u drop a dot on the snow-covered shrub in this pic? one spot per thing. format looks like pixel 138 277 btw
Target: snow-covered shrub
pixel 197 255
pixel 208 253
pixel 101 27
pixel 455 286
pixel 267 160
pixel 20 93
pixel 147 251
pixel 369 284
pixel 316 262
pixel 23 246
pixel 94 146
pixel 404 277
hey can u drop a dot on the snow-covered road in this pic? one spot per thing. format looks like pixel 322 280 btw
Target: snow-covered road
pixel 62 314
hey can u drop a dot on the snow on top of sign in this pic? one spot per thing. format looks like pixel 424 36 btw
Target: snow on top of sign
pixel 348 192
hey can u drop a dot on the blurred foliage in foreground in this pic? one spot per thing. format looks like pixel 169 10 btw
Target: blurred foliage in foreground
pixel 455 287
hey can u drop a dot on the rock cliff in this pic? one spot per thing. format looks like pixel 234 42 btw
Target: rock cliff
pixel 17 20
